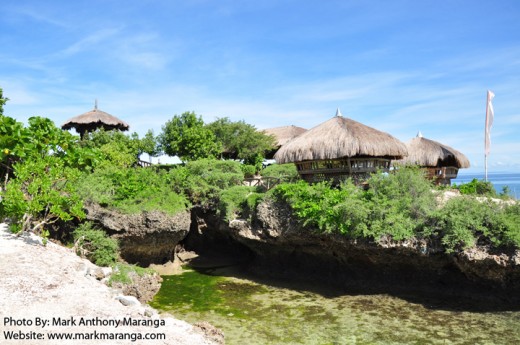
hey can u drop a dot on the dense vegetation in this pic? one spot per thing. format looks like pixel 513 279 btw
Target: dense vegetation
pixel 48 174
pixel 286 172
pixel 95 245
pixel 40 164
pixel 400 206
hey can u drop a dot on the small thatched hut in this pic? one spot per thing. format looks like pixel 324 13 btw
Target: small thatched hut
pixel 440 161
pixel 94 119
pixel 341 148
pixel 283 135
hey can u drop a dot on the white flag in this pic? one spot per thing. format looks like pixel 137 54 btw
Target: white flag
pixel 489 121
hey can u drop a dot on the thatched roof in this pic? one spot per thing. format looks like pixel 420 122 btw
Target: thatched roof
pixel 285 133
pixel 340 137
pixel 95 119
pixel 430 153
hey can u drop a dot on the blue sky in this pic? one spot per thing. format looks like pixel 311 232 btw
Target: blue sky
pixel 398 66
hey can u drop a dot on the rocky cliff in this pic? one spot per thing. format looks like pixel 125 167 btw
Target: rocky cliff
pixel 275 243
pixel 145 238
pixel 282 246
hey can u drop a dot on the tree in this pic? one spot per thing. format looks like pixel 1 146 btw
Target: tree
pixel 148 144
pixel 241 140
pixel 2 102
pixel 116 147
pixel 187 137
pixel 41 194
pixel 39 139
pixel 41 164
pixel 12 134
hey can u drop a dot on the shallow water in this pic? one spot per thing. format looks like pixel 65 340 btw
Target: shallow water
pixel 252 313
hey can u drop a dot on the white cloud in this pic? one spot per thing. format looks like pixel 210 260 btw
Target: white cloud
pixel 90 42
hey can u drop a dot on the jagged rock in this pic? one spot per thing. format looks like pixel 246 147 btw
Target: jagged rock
pixel 145 238
pixel 143 287
pixel 283 247
pixel 479 263
pixel 99 273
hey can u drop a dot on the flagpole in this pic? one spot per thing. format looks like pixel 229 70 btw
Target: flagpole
pixel 486 139
pixel 485 167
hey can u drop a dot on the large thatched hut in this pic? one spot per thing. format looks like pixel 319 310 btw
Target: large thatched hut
pixel 341 148
pixel 94 119
pixel 441 162
pixel 283 135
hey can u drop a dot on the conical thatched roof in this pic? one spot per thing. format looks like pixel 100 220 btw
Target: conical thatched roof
pixel 340 137
pixel 430 153
pixel 95 119
pixel 284 134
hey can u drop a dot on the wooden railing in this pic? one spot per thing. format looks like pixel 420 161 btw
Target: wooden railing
pixel 337 170
pixel 144 164
pixel 442 175
pixel 265 182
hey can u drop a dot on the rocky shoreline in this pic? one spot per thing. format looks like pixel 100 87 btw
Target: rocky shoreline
pixel 48 291
pixel 415 269
pixel 272 242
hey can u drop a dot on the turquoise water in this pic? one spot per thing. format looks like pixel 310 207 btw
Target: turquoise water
pixel 499 180
pixel 253 313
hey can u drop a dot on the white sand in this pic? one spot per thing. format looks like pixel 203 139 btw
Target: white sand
pixel 48 282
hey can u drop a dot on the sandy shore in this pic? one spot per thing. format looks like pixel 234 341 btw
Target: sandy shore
pixel 46 291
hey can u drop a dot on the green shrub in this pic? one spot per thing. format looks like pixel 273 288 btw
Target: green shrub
pixel 476 187
pixel 353 212
pixel 511 223
pixel 252 201
pixel 407 189
pixel 132 190
pixel 40 194
pixel 401 202
pixel 39 164
pixel 286 172
pixel 116 148
pixel 316 205
pixel 238 200
pixel 95 245
pixel 465 221
pixel 248 170
pixel 203 180
pixel 395 205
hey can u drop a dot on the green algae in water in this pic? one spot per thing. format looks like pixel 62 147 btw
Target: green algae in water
pixel 251 313
pixel 205 293
pixel 189 290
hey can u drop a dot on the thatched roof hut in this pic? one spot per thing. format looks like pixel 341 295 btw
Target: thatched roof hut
pixel 283 135
pixel 94 119
pixel 339 148
pixel 441 162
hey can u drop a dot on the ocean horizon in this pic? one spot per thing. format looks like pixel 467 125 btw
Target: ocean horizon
pixel 498 179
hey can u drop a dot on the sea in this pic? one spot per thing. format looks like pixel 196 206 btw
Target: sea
pixel 498 179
